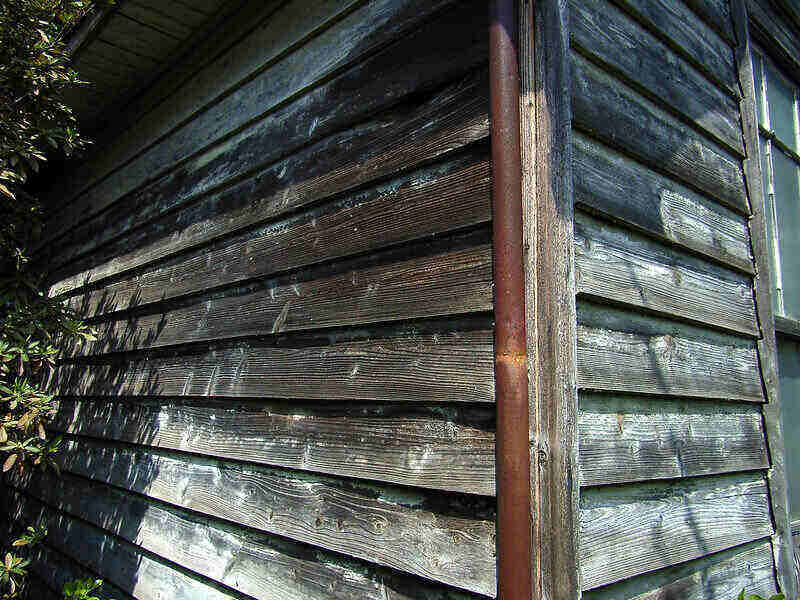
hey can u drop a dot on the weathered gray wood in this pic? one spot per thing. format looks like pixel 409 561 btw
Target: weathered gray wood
pixel 122 564
pixel 349 40
pixel 448 449
pixel 717 14
pixel 397 528
pixel 454 282
pixel 546 123
pixel 256 565
pixel 434 200
pixel 621 189
pixel 636 55
pixel 270 31
pixel 630 439
pixel 767 348
pixel 654 363
pixel 775 33
pixel 353 155
pixel 616 264
pixel 635 529
pixel 721 575
pixel 625 120
pixel 184 14
pixel 675 24
pixel 156 20
pixel 455 367
pixel 123 32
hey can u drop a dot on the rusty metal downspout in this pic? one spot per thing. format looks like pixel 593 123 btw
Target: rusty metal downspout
pixel 511 375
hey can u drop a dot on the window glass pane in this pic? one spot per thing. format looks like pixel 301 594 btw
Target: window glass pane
pixel 763 147
pixel 780 96
pixel 789 370
pixel 787 200
pixel 759 95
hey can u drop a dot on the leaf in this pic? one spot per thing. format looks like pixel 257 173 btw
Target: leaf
pixel 9 462
pixel 7 192
pixel 42 435
pixel 3 435
pixel 9 560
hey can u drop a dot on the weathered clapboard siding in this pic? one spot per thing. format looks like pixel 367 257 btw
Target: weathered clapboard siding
pixel 618 265
pixel 629 530
pixel 626 48
pixel 452 194
pixel 139 574
pixel 676 25
pixel 254 564
pixel 662 359
pixel 771 30
pixel 437 448
pixel 449 367
pixel 399 528
pixel 720 575
pixel 627 439
pixel 349 40
pixel 621 189
pixel 673 455
pixel 443 121
pixel 455 282
pixel 625 120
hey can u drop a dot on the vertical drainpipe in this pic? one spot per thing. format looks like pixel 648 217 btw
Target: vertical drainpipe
pixel 511 375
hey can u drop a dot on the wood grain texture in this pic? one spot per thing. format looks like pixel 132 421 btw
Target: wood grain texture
pixel 626 531
pixel 358 34
pixel 122 564
pixel 156 20
pixel 435 123
pixel 259 566
pixel 720 575
pixel 397 528
pixel 455 367
pixel 767 347
pixel 683 30
pixel 641 59
pixel 619 117
pixel 616 264
pixel 447 449
pixel 717 14
pixel 621 189
pixel 546 124
pixel 455 282
pixel 649 363
pixel 447 196
pixel 144 41
pixel 629 439
pixel 774 32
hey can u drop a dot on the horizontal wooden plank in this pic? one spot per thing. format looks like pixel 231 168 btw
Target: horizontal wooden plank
pixel 158 20
pixel 122 564
pixel 268 32
pixel 618 116
pixel 432 200
pixel 775 33
pixel 688 34
pixel 185 14
pixel 635 54
pixel 721 575
pixel 717 14
pixel 606 181
pixel 610 359
pixel 361 32
pixel 629 439
pixel 448 449
pixel 619 265
pixel 456 367
pixel 126 33
pixel 447 283
pixel 261 567
pixel 354 154
pixel 634 529
pixel 396 528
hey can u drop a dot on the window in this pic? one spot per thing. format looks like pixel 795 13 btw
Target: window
pixel 778 104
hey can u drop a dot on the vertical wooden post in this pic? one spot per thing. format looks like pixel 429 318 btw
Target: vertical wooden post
pixel 767 348
pixel 546 124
